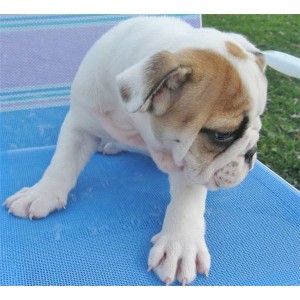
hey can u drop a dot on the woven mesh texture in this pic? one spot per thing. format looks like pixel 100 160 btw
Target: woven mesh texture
pixel 102 238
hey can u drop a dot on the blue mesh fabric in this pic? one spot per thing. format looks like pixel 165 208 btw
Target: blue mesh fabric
pixel 102 238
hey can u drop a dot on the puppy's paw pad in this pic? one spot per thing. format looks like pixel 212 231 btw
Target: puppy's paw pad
pixel 35 202
pixel 109 149
pixel 178 258
pixel 203 262
pixel 8 202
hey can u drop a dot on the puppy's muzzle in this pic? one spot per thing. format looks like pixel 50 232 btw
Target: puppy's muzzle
pixel 230 167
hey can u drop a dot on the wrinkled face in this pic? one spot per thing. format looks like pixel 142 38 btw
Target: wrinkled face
pixel 206 109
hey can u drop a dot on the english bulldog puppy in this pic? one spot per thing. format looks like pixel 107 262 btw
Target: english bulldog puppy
pixel 190 98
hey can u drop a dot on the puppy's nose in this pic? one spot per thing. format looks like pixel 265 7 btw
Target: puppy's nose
pixel 249 154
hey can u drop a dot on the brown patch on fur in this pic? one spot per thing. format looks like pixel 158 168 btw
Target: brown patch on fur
pixel 235 50
pixel 125 92
pixel 213 96
pixel 187 120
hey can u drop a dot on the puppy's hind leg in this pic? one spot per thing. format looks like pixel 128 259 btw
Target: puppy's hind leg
pixel 74 148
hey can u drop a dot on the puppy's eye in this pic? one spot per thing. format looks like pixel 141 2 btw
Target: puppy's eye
pixel 223 137
pixel 220 138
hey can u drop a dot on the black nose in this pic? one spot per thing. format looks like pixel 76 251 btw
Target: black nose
pixel 249 154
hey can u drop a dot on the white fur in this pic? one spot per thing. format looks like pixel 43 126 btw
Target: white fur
pixel 97 115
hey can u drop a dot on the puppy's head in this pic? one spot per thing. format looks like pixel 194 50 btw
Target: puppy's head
pixel 205 107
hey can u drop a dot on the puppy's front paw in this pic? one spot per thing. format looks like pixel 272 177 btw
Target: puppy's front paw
pixel 35 202
pixel 109 149
pixel 174 256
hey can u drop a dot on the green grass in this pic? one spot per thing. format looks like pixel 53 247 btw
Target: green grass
pixel 279 145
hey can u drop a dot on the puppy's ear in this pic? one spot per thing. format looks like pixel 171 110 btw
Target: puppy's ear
pixel 260 60
pixel 149 85
pixel 259 57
